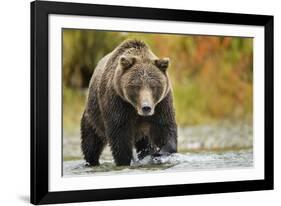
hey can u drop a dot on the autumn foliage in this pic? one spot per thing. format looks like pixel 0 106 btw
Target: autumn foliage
pixel 212 76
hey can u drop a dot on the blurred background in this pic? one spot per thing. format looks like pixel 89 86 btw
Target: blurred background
pixel 212 79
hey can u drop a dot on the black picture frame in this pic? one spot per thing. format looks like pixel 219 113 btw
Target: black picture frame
pixel 40 100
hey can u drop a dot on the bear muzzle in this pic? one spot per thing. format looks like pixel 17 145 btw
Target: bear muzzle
pixel 146 109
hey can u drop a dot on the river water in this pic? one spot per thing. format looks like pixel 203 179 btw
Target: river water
pixel 220 146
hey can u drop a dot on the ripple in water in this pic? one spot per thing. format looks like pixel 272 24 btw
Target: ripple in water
pixel 175 162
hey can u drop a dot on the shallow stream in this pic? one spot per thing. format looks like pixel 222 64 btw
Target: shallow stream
pixel 221 146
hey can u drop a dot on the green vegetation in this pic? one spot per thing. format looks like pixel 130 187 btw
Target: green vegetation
pixel 73 106
pixel 211 76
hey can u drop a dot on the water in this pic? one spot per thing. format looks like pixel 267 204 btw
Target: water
pixel 221 146
pixel 176 162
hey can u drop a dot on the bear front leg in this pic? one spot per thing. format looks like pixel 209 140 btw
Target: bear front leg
pixel 91 144
pixel 121 144
pixel 165 127
pixel 165 139
pixel 144 147
pixel 119 126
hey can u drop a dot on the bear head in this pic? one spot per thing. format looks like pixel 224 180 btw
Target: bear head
pixel 142 82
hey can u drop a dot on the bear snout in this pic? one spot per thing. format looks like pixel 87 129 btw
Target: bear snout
pixel 146 109
pixel 145 105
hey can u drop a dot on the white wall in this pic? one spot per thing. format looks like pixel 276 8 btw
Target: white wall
pixel 14 102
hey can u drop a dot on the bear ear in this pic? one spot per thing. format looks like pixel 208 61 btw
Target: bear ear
pixel 127 62
pixel 162 64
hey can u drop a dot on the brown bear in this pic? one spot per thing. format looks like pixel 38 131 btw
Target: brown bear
pixel 129 105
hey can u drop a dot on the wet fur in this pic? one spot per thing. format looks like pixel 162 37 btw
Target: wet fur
pixel 109 118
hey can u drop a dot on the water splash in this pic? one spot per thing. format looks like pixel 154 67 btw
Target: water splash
pixel 175 162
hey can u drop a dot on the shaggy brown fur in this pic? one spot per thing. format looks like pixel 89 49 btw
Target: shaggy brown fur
pixel 129 105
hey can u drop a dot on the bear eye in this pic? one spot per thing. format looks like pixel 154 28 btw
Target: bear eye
pixel 133 86
pixel 154 87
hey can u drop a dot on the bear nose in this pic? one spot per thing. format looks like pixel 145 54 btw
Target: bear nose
pixel 146 109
